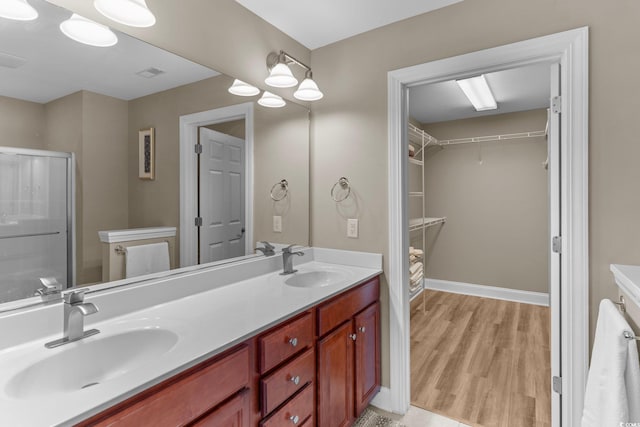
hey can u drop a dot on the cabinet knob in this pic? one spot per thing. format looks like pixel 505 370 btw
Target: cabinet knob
pixel 294 419
pixel 295 380
pixel 362 329
pixel 293 342
pixel 353 336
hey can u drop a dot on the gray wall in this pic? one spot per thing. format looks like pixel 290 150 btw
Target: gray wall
pixel 494 195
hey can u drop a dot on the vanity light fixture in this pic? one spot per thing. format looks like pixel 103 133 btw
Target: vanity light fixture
pixel 280 75
pixel 134 13
pixel 89 32
pixel 18 10
pixel 478 92
pixel 241 88
pixel 308 89
pixel 271 100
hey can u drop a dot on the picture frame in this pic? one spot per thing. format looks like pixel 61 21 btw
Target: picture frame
pixel 146 154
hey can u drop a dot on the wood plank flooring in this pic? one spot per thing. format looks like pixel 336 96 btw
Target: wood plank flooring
pixel 481 361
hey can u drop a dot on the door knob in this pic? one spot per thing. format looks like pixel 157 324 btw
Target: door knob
pixel 353 336
pixel 293 342
pixel 295 380
pixel 362 329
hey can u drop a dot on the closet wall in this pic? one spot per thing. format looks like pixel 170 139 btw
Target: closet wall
pixel 494 195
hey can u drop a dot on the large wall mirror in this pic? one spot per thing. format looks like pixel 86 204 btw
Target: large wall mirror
pixel 126 113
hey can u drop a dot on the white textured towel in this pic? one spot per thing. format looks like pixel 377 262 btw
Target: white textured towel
pixel 147 259
pixel 414 268
pixel 613 385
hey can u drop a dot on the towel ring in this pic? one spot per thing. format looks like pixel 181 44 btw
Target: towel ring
pixel 344 184
pixel 284 190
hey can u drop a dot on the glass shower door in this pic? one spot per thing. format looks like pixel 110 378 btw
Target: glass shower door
pixel 35 226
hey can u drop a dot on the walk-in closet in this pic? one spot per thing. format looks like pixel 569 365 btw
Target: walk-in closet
pixel 478 215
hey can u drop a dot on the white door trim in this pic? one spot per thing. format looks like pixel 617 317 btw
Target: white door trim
pixel 188 174
pixel 570 49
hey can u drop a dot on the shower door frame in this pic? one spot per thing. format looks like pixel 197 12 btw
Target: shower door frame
pixel 570 50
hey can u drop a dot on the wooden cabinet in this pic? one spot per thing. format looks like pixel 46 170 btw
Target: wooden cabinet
pixel 234 413
pixel 320 368
pixel 183 398
pixel 335 378
pixel 348 373
pixel 367 356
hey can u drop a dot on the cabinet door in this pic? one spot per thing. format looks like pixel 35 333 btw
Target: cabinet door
pixel 367 368
pixel 335 378
pixel 234 413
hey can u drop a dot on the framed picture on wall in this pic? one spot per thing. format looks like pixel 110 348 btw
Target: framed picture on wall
pixel 146 154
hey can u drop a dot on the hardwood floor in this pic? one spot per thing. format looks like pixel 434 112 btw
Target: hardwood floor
pixel 481 361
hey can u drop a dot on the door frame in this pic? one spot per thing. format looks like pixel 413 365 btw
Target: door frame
pixel 189 125
pixel 570 49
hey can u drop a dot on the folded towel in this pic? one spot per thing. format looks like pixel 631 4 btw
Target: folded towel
pixel 413 268
pixel 416 277
pixel 147 259
pixel 612 396
pixel 416 252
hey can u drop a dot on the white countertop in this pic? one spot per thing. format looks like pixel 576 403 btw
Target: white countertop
pixel 206 323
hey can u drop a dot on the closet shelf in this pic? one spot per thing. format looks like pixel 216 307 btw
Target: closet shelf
pixel 415 162
pixel 420 223
pixel 416 194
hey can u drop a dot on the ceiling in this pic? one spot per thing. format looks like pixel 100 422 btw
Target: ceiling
pixel 517 89
pixel 55 66
pixel 319 23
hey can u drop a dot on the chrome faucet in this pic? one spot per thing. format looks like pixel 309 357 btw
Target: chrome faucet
pixel 287 260
pixel 50 289
pixel 75 310
pixel 267 250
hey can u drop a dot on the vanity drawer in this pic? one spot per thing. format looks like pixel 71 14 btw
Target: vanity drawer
pixel 283 383
pixel 285 341
pixel 183 398
pixel 344 307
pixel 301 406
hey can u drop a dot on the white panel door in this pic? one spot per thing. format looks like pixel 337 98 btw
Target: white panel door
pixel 221 196
pixel 555 285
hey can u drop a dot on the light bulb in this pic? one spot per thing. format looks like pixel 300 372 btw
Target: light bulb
pixel 241 88
pixel 134 13
pixel 18 10
pixel 281 76
pixel 86 31
pixel 271 100
pixel 308 91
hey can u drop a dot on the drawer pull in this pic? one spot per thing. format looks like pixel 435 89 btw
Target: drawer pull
pixel 353 336
pixel 294 419
pixel 293 342
pixel 296 379
pixel 362 329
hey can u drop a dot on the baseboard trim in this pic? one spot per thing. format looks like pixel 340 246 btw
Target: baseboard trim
pixel 382 400
pixel 526 297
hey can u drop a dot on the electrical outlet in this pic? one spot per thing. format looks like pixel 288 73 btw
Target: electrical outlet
pixel 352 228
pixel 277 224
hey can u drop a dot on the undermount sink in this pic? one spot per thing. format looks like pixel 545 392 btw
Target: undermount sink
pixel 90 362
pixel 317 277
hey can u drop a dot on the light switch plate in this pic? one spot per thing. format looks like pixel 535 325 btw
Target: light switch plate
pixel 352 228
pixel 277 224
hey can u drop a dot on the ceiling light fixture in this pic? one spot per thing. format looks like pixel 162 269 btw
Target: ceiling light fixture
pixel 18 10
pixel 89 32
pixel 271 100
pixel 478 92
pixel 134 13
pixel 241 88
pixel 280 75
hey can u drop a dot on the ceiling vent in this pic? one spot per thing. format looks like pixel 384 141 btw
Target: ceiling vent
pixel 150 73
pixel 11 61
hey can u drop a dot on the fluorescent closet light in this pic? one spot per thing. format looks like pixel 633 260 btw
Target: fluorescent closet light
pixel 271 100
pixel 241 88
pixel 308 90
pixel 478 92
pixel 18 10
pixel 134 13
pixel 281 76
pixel 86 31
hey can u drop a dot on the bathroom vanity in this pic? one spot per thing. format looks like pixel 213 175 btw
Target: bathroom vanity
pixel 244 346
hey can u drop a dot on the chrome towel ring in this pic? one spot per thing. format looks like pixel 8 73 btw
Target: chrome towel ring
pixel 344 184
pixel 283 187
